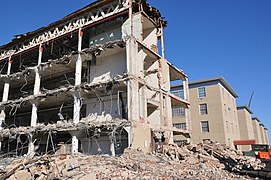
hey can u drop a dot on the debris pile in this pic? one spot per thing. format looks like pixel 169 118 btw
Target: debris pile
pixel 203 161
pixel 219 154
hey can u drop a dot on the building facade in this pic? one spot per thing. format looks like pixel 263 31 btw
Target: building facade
pixel 95 80
pixel 215 116
pixel 246 127
pixel 256 129
pixel 260 131
pixel 263 134
pixel 266 135
pixel 213 111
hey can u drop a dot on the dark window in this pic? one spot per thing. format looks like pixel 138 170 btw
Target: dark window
pixel 202 92
pixel 203 109
pixel 204 126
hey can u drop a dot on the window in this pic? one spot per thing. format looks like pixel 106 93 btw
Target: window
pixel 178 112
pixel 204 126
pixel 180 126
pixel 178 93
pixel 202 92
pixel 203 109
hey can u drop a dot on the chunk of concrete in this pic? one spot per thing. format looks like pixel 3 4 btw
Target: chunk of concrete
pixel 89 176
pixel 22 175
pixel 192 160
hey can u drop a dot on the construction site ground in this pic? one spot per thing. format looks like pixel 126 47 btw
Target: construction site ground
pixel 202 161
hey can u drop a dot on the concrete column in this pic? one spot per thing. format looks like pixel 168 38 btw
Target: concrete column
pixel 162 41
pixel 185 90
pixel 129 132
pixel 2 119
pixel 75 143
pixel 112 149
pixel 31 147
pixel 34 114
pixel 186 95
pixel 187 111
pixel 5 96
pixel 77 100
pixel 7 82
pixel 132 84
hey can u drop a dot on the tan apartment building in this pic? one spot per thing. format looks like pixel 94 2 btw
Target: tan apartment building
pixel 260 131
pixel 256 129
pixel 263 134
pixel 266 135
pixel 246 127
pixel 213 111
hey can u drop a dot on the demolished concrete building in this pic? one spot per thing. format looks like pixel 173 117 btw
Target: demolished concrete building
pixel 96 81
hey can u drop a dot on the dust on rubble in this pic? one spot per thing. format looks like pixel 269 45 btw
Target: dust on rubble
pixel 203 161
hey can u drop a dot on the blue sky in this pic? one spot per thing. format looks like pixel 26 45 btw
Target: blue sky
pixel 230 38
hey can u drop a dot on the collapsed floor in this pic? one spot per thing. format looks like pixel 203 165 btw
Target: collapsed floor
pixel 203 161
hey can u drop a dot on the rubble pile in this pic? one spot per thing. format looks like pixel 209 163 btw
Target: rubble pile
pixel 230 159
pixel 203 161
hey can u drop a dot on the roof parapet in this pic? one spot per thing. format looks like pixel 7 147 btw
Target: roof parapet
pixel 244 107
pixel 256 119
pixel 220 79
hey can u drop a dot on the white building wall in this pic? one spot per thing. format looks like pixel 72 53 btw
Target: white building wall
pixel 108 66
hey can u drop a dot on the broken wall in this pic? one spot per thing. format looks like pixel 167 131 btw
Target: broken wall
pixel 108 66
pixel 113 105
pixel 141 137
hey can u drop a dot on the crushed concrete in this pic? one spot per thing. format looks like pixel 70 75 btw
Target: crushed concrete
pixel 188 162
pixel 220 155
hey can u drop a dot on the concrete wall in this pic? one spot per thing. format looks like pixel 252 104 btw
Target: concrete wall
pixel 152 78
pixel 264 141
pixel 104 34
pixel 101 145
pixel 231 125
pixel 149 36
pixel 266 135
pixel 108 66
pixel 245 126
pixel 222 114
pixel 257 131
pixel 141 137
pixel 108 105
pixel 137 27
pixel 214 116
